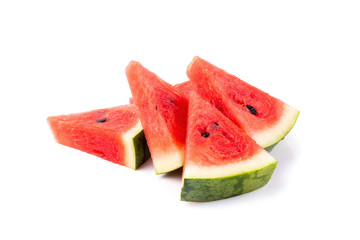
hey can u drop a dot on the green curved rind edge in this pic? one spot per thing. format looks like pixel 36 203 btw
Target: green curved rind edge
pixel 270 148
pixel 281 137
pixel 142 152
pixel 210 189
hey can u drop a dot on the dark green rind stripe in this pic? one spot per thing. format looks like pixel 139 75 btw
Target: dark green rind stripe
pixel 142 152
pixel 210 189
pixel 269 148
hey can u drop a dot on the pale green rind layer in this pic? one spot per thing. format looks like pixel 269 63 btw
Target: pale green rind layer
pixel 283 135
pixel 210 189
pixel 136 151
pixel 167 170
pixel 168 161
pixel 142 152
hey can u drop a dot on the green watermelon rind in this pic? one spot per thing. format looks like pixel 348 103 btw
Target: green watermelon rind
pixel 135 146
pixel 295 116
pixel 142 152
pixel 210 189
pixel 169 161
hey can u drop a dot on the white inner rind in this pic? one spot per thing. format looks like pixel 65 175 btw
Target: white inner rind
pixel 129 148
pixel 257 161
pixel 169 160
pixel 275 133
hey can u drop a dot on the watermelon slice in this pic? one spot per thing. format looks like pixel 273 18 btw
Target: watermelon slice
pixel 221 161
pixel 264 118
pixel 114 134
pixel 163 114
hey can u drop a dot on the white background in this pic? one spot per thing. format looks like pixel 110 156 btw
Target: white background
pixel 60 57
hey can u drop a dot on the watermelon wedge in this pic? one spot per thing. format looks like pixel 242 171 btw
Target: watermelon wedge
pixel 264 118
pixel 114 134
pixel 163 114
pixel 221 161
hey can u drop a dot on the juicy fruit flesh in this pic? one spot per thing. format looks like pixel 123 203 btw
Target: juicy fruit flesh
pixel 173 109
pixel 121 118
pixel 224 142
pixel 163 113
pixel 220 140
pixel 220 159
pixel 106 133
pixel 251 109
pixel 233 95
pixel 91 139
pixel 184 88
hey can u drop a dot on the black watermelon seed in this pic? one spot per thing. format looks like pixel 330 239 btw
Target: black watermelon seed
pixel 215 123
pixel 101 120
pixel 251 109
pixel 171 99
pixel 155 107
pixel 205 134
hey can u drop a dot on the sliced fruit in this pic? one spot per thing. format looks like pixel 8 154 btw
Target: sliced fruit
pixel 163 114
pixel 221 161
pixel 264 118
pixel 114 134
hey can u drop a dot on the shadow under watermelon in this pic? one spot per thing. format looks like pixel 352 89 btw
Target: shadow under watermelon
pixel 285 153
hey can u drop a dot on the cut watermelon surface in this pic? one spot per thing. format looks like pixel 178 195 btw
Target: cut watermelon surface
pixel 264 118
pixel 216 126
pixel 184 88
pixel 221 161
pixel 163 115
pixel 114 134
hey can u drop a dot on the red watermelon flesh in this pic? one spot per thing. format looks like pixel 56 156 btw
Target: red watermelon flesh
pixel 184 88
pixel 220 159
pixel 114 134
pixel 264 118
pixel 163 115
pixel 131 100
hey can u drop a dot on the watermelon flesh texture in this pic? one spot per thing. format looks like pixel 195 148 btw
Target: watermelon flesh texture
pixel 184 89
pixel 264 118
pixel 221 161
pixel 163 115
pixel 114 134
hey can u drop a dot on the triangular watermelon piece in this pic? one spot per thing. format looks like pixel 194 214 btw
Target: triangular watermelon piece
pixel 114 134
pixel 221 161
pixel 264 118
pixel 163 114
